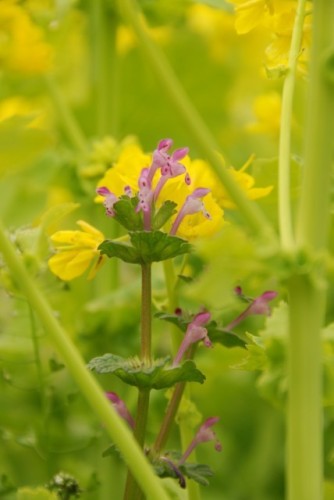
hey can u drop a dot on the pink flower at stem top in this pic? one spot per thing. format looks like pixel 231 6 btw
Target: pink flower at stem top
pixel 192 205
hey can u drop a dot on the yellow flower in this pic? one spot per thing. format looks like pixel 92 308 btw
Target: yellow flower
pixel 205 176
pixel 215 26
pixel 76 251
pixel 22 46
pixel 267 110
pixel 20 106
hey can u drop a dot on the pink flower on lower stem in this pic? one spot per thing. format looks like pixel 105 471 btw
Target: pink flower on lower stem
pixel 192 205
pixel 121 408
pixel 203 435
pixel 194 333
pixel 260 305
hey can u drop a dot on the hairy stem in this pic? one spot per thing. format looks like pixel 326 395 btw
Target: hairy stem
pixel 132 489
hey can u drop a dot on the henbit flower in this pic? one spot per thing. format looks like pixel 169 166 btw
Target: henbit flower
pixel 192 205
pixel 203 435
pixel 195 332
pixel 260 305
pixel 109 200
pixel 76 251
pixel 121 408
pixel 127 170
pixel 145 196
pixel 172 168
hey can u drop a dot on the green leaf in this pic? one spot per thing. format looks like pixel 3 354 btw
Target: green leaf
pixel 126 215
pixel 147 246
pixel 142 374
pixel 197 472
pixel 154 246
pixel 168 466
pixel 120 250
pixel 164 213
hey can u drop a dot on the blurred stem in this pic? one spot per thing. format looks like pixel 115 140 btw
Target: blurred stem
pixel 196 127
pixel 132 489
pixel 66 115
pixel 37 357
pixel 284 158
pixel 307 289
pixel 105 67
pixel 91 390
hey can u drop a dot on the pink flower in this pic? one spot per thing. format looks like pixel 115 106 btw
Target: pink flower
pixel 109 200
pixel 192 205
pixel 195 332
pixel 203 435
pixel 121 408
pixel 260 305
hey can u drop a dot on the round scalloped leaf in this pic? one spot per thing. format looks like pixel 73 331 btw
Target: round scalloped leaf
pixel 154 375
pixel 126 215
pixel 147 246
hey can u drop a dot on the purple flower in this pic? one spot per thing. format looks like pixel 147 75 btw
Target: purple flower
pixel 203 435
pixel 121 408
pixel 145 196
pixel 172 168
pixel 260 305
pixel 195 332
pixel 109 200
pixel 192 205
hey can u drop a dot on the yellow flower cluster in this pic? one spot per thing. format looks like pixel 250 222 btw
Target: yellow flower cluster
pixel 22 46
pixel 278 17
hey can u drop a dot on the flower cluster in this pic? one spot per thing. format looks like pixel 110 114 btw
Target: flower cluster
pixel 147 179
pixel 278 17
pixel 23 48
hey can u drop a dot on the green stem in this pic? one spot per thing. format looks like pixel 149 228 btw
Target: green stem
pixel 193 491
pixel 91 390
pixel 68 120
pixel 307 291
pixel 285 216
pixel 169 418
pixel 146 313
pixel 193 121
pixel 132 489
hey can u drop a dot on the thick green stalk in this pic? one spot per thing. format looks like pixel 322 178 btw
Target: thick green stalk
pixel 307 291
pixel 196 127
pixel 132 489
pixel 284 158
pixel 91 390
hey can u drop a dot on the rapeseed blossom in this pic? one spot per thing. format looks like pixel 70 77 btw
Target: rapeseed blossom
pixel 277 17
pixel 76 251
pixel 22 47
